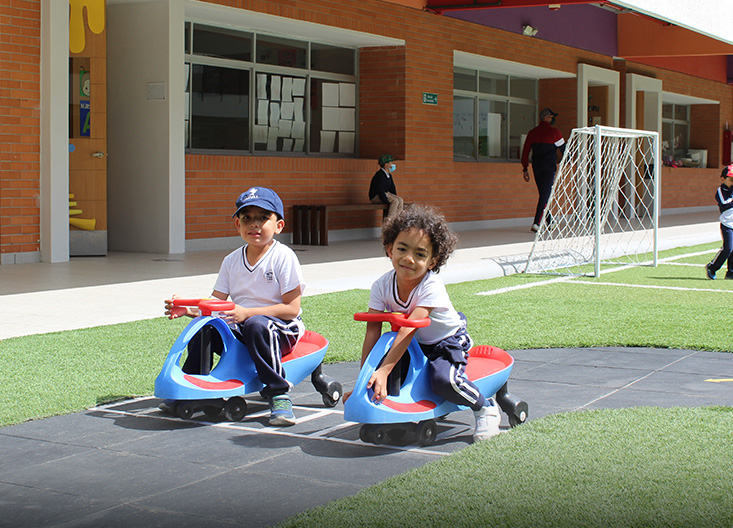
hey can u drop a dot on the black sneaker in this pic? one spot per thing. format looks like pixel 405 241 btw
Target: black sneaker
pixel 729 275
pixel 710 273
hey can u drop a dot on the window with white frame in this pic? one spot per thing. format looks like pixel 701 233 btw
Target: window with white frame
pixel 252 92
pixel 491 114
pixel 675 131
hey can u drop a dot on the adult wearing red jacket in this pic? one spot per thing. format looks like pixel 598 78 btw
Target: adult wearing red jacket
pixel 544 141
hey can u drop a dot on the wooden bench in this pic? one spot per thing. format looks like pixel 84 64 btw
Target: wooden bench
pixel 310 222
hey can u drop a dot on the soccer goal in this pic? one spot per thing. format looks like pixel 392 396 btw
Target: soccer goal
pixel 604 205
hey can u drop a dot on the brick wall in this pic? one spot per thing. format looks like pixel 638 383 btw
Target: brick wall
pixel 394 119
pixel 382 102
pixel 705 131
pixel 687 187
pixel 20 88
pixel 213 183
pixel 560 96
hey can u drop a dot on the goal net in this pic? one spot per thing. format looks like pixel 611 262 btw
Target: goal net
pixel 604 204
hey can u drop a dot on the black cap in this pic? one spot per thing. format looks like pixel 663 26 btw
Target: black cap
pixel 546 112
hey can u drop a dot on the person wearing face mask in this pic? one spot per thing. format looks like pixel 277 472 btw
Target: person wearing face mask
pixel 545 141
pixel 382 188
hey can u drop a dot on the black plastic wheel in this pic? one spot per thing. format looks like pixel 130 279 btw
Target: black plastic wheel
pixel 185 410
pixel 212 411
pixel 396 434
pixel 235 409
pixel 365 433
pixel 426 432
pixel 328 401
pixel 333 394
pixel 519 418
pixel 379 435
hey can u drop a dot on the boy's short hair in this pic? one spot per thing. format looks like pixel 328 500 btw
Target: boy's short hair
pixel 261 197
pixel 428 220
pixel 727 171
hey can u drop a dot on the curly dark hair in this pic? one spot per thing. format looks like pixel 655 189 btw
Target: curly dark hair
pixel 428 220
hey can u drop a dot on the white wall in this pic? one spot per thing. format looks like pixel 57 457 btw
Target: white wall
pixel 146 163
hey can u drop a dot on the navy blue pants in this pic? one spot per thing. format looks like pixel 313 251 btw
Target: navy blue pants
pixel 447 362
pixel 725 252
pixel 268 339
pixel 544 177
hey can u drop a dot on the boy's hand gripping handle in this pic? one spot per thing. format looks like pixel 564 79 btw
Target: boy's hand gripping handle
pixel 206 306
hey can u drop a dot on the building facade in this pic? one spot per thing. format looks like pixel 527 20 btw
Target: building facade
pixel 156 114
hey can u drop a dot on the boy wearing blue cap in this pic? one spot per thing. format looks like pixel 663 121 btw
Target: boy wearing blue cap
pixel 265 281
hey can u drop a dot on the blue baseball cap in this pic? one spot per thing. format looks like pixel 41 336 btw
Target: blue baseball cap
pixel 261 197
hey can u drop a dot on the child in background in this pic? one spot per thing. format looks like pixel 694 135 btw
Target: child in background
pixel 724 199
pixel 265 281
pixel 418 241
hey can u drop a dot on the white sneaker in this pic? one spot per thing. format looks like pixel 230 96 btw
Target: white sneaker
pixel 487 422
pixel 534 228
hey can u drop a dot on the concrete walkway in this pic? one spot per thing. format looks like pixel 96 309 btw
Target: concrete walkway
pixel 121 287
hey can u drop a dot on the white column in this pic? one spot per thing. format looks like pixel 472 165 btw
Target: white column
pixel 54 131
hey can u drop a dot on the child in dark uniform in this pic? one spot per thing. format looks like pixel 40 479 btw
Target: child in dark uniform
pixel 724 198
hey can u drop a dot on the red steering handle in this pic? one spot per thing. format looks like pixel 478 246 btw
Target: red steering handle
pixel 206 306
pixel 186 302
pixel 397 320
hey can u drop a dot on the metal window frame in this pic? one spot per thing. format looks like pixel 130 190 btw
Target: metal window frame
pixel 255 68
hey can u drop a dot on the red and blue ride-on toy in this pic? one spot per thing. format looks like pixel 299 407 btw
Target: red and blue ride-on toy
pixel 414 410
pixel 223 387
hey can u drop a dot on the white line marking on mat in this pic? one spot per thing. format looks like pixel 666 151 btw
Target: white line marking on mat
pixel 629 384
pixel 243 427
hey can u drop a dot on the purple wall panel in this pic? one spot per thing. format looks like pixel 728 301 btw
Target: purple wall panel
pixel 580 26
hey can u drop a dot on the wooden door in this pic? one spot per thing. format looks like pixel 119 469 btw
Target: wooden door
pixel 87 128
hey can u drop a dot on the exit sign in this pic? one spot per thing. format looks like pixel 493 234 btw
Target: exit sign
pixel 429 98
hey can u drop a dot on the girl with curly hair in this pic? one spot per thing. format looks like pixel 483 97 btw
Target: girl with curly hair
pixel 419 241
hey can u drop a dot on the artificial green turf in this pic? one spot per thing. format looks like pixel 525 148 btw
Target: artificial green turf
pixel 62 372
pixel 578 315
pixel 332 315
pixel 642 467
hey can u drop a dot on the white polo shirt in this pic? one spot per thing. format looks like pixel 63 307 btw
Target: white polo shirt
pixel 261 284
pixel 430 293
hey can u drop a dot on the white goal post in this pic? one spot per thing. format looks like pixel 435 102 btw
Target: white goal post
pixel 604 205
